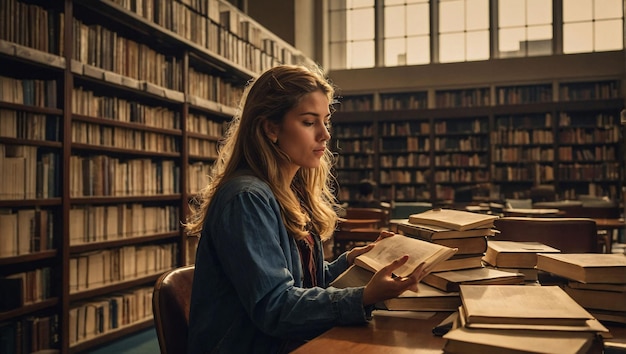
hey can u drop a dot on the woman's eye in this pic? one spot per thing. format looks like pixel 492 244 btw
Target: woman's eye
pixel 308 124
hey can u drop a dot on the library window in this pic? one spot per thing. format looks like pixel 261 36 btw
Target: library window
pixel 524 28
pixel 385 33
pixel 352 34
pixel 592 25
pixel 407 32
pixel 463 30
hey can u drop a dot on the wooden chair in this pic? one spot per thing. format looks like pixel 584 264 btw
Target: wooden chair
pixel 382 215
pixel 345 240
pixel 171 299
pixel 570 235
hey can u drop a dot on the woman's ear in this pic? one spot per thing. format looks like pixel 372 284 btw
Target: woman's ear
pixel 271 130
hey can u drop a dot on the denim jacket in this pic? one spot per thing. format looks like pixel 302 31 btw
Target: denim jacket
pixel 247 293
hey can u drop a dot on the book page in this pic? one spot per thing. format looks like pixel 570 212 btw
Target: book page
pixel 389 249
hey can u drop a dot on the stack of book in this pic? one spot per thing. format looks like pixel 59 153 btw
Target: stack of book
pixel 522 319
pixel 466 231
pixel 516 257
pixel 597 281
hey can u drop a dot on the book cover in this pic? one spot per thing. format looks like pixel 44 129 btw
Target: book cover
pixel 522 254
pixel 598 299
pixel 469 340
pixel 433 232
pixel 453 219
pixel 427 298
pixel 585 267
pixel 458 262
pixel 466 245
pixel 519 304
pixel 450 280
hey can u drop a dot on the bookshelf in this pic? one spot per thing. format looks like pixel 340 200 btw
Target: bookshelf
pixel 111 112
pixel 511 137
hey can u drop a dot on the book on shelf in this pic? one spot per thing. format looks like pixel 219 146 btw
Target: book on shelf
pixel 494 341
pixel 427 298
pixel 522 254
pixel 391 248
pixel 453 219
pixel 450 280
pixel 585 267
pixel 457 262
pixel 434 232
pixel 520 305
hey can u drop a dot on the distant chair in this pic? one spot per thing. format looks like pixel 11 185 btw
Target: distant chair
pixel 543 193
pixel 519 203
pixel 356 214
pixel 402 210
pixel 570 235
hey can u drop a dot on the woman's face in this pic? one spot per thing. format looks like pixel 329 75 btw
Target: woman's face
pixel 303 133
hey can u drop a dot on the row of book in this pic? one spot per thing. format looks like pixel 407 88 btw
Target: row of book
pixel 100 268
pixel 27 125
pixel 97 223
pixel 30 335
pixel 102 315
pixel 25 288
pixel 25 231
pixel 124 138
pixel 28 172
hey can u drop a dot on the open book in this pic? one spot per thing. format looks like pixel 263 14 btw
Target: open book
pixel 389 249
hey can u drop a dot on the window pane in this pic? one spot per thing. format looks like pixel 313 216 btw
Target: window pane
pixel 359 3
pixel 510 41
pixel 608 35
pixel 539 12
pixel 604 9
pixel 577 37
pixel 338 55
pixel 418 19
pixel 395 21
pixel 477 15
pixel 418 50
pixel 539 40
pixel 361 54
pixel 451 47
pixel 395 52
pixel 478 45
pixel 577 10
pixel 361 24
pixel 338 26
pixel 511 13
pixel 451 16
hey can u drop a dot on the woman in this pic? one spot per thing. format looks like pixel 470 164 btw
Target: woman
pixel 261 282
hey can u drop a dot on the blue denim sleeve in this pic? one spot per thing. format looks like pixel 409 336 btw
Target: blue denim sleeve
pixel 256 253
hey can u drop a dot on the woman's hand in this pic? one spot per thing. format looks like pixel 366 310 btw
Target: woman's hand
pixel 357 251
pixel 385 285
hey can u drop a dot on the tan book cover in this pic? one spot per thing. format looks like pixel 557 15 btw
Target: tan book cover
pixel 493 341
pixel 585 267
pixel 453 219
pixel 463 261
pixel 427 298
pixel 466 245
pixel 519 304
pixel 434 232
pixel 522 254
pixel 450 280
pixel 598 299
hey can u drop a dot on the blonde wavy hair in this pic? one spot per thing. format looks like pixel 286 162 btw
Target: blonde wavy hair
pixel 307 202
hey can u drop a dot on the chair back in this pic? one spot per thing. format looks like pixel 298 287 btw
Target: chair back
pixel 170 306
pixel 368 213
pixel 347 239
pixel 402 210
pixel 570 235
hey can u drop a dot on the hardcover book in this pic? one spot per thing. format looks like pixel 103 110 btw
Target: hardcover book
pixel 450 280
pixel 453 219
pixel 585 267
pixel 433 232
pixel 522 254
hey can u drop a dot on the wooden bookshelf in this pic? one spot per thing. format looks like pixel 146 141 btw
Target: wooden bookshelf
pixel 565 134
pixel 110 117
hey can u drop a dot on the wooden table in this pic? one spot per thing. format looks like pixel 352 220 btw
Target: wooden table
pixel 391 335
